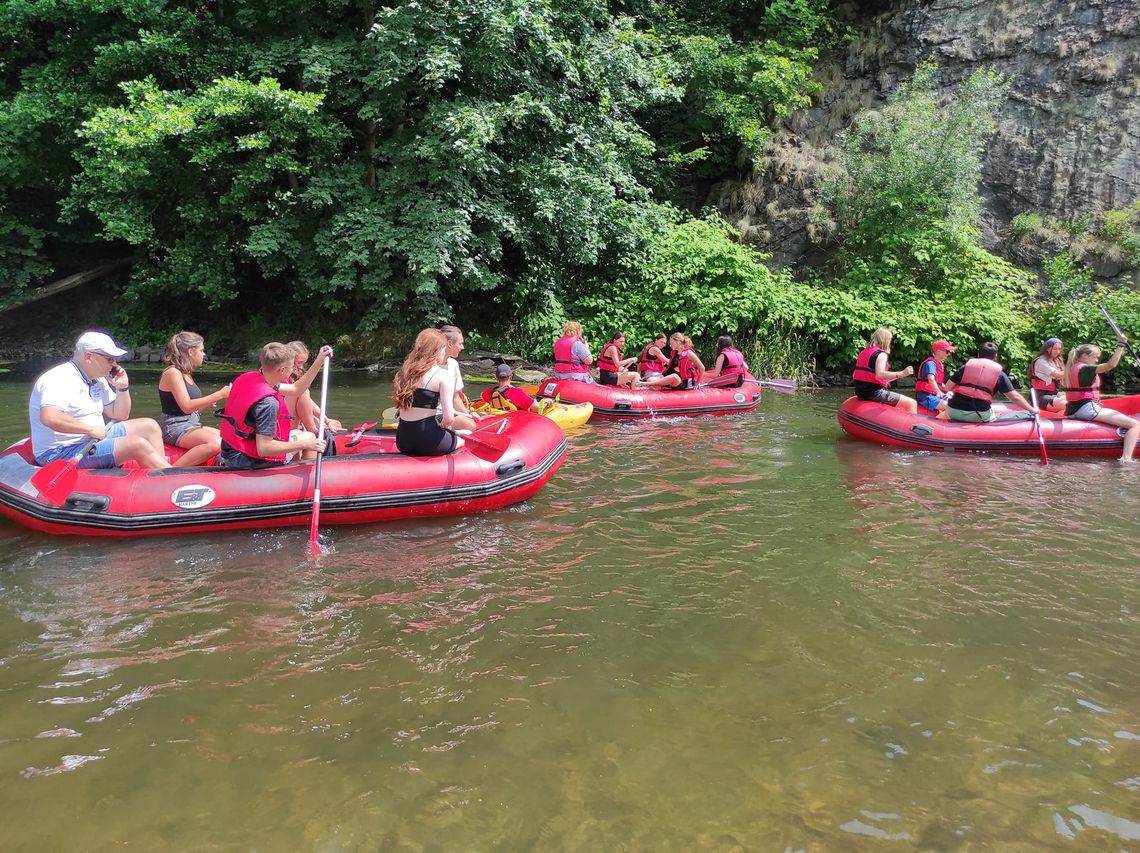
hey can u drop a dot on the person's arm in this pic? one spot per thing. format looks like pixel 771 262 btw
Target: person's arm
pixel 1021 401
pixel 296 389
pixel 890 375
pixel 265 414
pixel 582 352
pixel 696 359
pixel 60 421
pixel 446 391
pixel 1115 360
pixel 953 381
pixel 930 374
pixel 172 377
pixel 1005 386
pixel 119 409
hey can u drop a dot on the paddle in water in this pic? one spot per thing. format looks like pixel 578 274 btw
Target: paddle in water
pixel 314 543
pixel 1037 423
pixel 784 386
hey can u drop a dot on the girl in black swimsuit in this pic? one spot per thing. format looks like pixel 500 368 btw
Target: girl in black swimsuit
pixel 424 394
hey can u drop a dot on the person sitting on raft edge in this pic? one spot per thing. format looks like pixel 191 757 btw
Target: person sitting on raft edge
pixel 464 417
pixel 180 400
pixel 1045 374
pixel 685 366
pixel 507 396
pixel 1082 390
pixel 872 373
pixel 572 357
pixel 929 392
pixel 612 367
pixel 653 360
pixel 729 362
pixel 69 404
pixel 974 385
pixel 424 394
pixel 256 421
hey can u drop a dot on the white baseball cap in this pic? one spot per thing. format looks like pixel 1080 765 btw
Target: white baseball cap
pixel 101 343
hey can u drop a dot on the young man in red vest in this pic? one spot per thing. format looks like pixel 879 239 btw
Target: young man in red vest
pixel 974 385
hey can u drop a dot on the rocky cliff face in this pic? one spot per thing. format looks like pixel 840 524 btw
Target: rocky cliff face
pixel 1067 140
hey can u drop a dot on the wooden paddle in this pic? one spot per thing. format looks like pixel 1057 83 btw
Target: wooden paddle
pixel 1116 329
pixel 314 544
pixel 1037 423
pixel 56 480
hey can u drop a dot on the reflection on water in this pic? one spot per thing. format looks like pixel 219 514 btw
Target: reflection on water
pixel 744 632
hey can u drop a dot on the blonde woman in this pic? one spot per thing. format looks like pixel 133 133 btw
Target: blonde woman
pixel 1082 392
pixel 572 357
pixel 424 393
pixel 181 400
pixel 873 373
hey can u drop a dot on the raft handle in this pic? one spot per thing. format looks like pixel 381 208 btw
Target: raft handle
pixel 509 469
pixel 622 406
pixel 921 429
pixel 85 502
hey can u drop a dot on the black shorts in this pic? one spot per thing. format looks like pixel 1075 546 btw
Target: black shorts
pixel 879 395
pixel 1044 398
pixel 424 437
pixel 607 377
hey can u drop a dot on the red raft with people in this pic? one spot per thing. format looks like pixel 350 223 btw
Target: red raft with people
pixel 893 426
pixel 621 403
pixel 510 459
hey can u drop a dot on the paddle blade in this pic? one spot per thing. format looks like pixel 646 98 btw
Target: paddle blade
pixel 784 386
pixel 487 443
pixel 56 480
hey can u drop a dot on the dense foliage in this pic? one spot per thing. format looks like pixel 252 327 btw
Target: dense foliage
pixel 276 169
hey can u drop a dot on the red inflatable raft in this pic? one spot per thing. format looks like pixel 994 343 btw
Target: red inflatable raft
pixel 622 403
pixel 365 482
pixel 893 426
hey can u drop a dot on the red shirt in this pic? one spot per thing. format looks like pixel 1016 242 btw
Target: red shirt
pixel 515 396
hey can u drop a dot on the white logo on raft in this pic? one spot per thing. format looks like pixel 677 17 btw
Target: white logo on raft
pixel 549 389
pixel 739 398
pixel 192 497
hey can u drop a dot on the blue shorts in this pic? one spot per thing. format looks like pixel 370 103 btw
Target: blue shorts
pixel 928 401
pixel 100 455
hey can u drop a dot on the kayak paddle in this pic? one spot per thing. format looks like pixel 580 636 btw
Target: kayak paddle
pixel 1116 329
pixel 314 545
pixel 1037 423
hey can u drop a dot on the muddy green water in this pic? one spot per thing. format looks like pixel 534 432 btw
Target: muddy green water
pixel 738 633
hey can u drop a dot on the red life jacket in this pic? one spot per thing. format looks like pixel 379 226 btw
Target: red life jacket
pixel 865 367
pixel 688 371
pixel 649 362
pixel 1074 391
pixel 939 376
pixel 607 363
pixel 246 390
pixel 733 364
pixel 564 356
pixel 979 379
pixel 1037 383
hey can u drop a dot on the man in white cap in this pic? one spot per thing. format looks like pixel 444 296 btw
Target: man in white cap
pixel 69 403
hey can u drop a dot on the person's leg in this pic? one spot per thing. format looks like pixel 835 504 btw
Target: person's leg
pixel 1118 419
pixel 145 430
pixel 463 422
pixel 200 445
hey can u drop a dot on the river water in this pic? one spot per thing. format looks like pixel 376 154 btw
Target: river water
pixel 722 633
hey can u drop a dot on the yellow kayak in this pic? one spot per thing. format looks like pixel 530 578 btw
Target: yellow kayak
pixel 566 415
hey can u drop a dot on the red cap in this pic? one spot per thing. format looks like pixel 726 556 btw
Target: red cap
pixel 943 345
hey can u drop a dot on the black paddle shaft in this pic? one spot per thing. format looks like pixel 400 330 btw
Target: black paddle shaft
pixel 1116 330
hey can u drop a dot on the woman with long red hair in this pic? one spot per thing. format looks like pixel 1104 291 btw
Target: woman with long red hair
pixel 424 393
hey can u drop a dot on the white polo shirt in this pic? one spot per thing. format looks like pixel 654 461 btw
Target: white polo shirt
pixel 66 388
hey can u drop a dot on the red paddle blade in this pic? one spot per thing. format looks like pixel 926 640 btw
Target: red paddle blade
pixel 56 480
pixel 487 444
